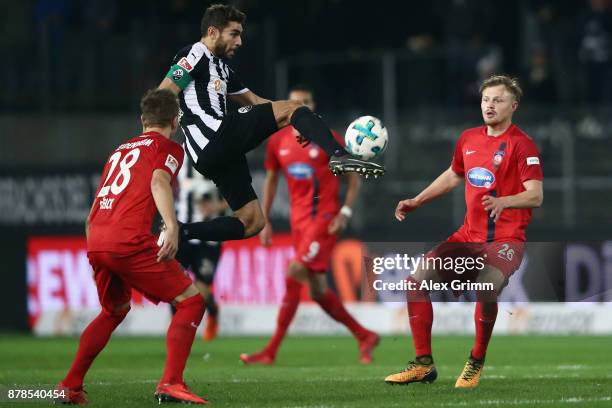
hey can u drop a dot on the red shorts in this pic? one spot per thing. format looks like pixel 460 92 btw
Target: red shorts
pixel 116 274
pixel 503 255
pixel 313 245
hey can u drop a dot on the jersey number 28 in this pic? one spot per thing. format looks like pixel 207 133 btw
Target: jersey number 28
pixel 122 179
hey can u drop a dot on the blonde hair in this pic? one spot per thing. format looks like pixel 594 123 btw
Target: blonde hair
pixel 511 84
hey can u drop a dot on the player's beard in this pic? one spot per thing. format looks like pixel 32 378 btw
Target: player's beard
pixel 221 49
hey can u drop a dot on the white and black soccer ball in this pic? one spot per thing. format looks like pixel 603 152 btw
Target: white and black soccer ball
pixel 366 138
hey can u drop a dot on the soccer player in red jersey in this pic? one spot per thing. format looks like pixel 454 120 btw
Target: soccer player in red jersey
pixel 503 182
pixel 135 184
pixel 316 221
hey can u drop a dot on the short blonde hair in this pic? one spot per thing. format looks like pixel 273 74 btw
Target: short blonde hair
pixel 511 84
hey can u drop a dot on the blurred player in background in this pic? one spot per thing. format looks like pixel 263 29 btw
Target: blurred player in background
pixel 135 184
pixel 199 200
pixel 503 182
pixel 316 221
pixel 216 140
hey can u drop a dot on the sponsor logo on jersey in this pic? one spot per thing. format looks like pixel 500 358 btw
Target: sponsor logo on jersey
pixel 480 177
pixel 533 160
pixel 185 64
pixel 245 109
pixel 106 203
pixel 300 171
pixel 172 163
pixel 177 74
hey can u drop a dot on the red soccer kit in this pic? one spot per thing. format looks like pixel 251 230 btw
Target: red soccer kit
pixel 313 195
pixel 496 166
pixel 120 246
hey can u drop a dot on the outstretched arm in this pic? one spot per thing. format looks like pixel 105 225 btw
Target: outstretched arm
pixel 440 186
pixel 532 197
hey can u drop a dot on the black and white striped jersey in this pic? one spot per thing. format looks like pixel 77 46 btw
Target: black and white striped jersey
pixel 192 186
pixel 206 82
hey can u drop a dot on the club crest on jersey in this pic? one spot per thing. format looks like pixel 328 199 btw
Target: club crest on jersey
pixel 177 74
pixel 300 171
pixel 313 153
pixel 480 177
pixel 498 157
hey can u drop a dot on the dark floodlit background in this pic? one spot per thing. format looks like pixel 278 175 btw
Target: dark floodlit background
pixel 73 73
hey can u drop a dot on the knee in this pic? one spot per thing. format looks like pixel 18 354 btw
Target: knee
pixel 117 312
pixel 195 301
pixel 294 106
pixel 297 271
pixel 283 111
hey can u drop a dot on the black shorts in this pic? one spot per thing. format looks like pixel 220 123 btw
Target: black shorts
pixel 201 258
pixel 224 159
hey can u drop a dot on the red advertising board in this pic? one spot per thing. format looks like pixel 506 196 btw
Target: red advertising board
pixel 60 277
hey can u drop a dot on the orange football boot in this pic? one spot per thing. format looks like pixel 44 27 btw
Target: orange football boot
pixel 178 392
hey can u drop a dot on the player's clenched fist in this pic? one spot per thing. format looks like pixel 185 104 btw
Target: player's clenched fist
pixel 404 207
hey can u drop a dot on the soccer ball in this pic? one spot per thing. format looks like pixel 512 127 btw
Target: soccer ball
pixel 366 138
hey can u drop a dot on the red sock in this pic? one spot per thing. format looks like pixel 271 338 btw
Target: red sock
pixel 94 338
pixel 420 316
pixel 180 336
pixel 291 300
pixel 485 314
pixel 334 307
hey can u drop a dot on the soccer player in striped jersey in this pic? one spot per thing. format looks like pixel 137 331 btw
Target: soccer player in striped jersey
pixel 216 139
pixel 501 168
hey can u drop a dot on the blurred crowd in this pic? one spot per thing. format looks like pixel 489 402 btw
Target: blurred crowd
pixel 100 54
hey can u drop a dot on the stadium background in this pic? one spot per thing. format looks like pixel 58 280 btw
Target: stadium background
pixel 74 72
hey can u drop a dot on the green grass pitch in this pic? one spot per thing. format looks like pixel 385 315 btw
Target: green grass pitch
pixel 549 371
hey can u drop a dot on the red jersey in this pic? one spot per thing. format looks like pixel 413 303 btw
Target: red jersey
pixel 124 209
pixel 313 189
pixel 495 166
